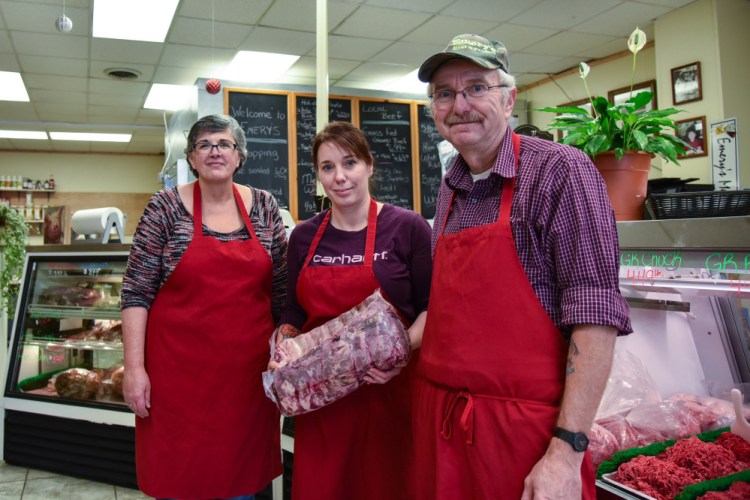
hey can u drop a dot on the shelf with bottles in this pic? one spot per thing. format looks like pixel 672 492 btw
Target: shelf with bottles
pixel 25 184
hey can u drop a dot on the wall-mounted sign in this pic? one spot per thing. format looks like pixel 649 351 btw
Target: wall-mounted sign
pixel 725 171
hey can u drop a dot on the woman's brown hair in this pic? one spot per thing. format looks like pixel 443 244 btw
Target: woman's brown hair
pixel 347 137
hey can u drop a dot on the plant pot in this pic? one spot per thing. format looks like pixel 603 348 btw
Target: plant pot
pixel 626 180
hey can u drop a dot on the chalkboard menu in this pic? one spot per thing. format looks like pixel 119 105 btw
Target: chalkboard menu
pixel 388 130
pixel 338 110
pixel 430 171
pixel 265 120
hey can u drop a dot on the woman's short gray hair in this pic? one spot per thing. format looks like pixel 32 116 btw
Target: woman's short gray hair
pixel 217 123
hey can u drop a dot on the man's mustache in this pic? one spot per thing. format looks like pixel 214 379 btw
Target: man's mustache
pixel 469 117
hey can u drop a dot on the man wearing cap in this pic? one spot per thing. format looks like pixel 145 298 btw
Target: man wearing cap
pixel 525 305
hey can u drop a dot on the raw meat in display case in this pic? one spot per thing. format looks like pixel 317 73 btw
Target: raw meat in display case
pixel 64 409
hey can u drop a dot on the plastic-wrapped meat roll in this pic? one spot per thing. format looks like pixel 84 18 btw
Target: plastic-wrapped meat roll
pixel 330 361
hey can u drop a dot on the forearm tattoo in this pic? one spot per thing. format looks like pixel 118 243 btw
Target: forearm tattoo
pixel 573 353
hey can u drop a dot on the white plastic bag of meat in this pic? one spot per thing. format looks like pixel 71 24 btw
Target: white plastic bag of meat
pixel 628 386
pixel 328 362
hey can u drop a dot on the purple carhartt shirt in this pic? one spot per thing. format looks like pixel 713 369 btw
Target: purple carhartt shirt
pixel 563 227
pixel 402 260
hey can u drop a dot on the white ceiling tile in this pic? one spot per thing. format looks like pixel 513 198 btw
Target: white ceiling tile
pixel 296 15
pixel 524 63
pixel 189 31
pixel 568 43
pixel 130 103
pixel 122 113
pixel 125 51
pixel 42 81
pixel 673 4
pixel 440 29
pixel 623 19
pixel 517 37
pixel 488 10
pixel 305 67
pixel 125 88
pixel 12 110
pixel 8 62
pixel 405 53
pixel 563 15
pixel 181 76
pixel 60 107
pixel 42 44
pixel 433 6
pixel 38 18
pixel 5 45
pixel 378 72
pixel 392 24
pixel 233 11
pixel 190 56
pixel 66 96
pixel 279 41
pixel 54 65
pixel 353 47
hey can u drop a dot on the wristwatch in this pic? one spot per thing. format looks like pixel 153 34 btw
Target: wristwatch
pixel 578 440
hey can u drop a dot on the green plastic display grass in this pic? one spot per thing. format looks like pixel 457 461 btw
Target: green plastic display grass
pixel 719 484
pixel 623 456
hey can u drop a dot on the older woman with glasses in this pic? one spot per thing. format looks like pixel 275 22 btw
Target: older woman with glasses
pixel 204 286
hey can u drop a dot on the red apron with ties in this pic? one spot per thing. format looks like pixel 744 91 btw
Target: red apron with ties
pixel 211 431
pixel 357 447
pixel 491 372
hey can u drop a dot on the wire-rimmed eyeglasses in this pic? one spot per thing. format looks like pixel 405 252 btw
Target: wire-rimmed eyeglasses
pixel 205 147
pixel 444 97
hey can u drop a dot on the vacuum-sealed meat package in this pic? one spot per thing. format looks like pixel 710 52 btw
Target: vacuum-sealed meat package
pixel 328 362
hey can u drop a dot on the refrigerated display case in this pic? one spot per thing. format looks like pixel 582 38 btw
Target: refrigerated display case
pixel 64 410
pixel 687 282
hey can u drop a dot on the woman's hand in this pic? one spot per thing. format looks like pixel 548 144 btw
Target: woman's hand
pixel 282 332
pixel 375 376
pixel 137 391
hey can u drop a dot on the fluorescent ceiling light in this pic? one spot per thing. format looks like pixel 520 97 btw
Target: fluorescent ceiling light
pixel 249 66
pixel 84 136
pixel 144 20
pixel 12 87
pixel 409 84
pixel 23 134
pixel 170 97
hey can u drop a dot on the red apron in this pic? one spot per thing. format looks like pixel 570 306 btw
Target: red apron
pixel 211 432
pixel 357 447
pixel 491 370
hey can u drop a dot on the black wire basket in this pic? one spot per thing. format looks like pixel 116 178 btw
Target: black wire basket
pixel 692 205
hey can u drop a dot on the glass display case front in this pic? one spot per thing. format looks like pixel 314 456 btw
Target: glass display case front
pixel 67 342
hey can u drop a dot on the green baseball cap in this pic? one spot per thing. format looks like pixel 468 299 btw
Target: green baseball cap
pixel 488 54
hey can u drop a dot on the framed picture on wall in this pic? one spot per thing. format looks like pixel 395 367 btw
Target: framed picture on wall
pixel 693 131
pixel 584 103
pixel 686 83
pixel 619 96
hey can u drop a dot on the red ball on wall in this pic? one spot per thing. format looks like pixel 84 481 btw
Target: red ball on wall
pixel 213 86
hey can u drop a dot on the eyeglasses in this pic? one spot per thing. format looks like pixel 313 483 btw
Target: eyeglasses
pixel 205 148
pixel 444 97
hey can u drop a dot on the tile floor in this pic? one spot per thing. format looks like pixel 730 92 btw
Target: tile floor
pixel 20 483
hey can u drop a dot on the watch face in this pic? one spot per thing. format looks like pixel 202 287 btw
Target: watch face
pixel 580 441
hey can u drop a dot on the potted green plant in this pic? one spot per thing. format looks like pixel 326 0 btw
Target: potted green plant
pixel 13 237
pixel 622 138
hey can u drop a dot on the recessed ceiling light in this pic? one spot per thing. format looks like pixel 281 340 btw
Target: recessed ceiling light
pixel 122 73
pixel 12 87
pixel 170 97
pixel 84 136
pixel 144 20
pixel 250 66
pixel 23 134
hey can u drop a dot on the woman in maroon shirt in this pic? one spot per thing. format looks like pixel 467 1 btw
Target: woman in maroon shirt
pixel 357 447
